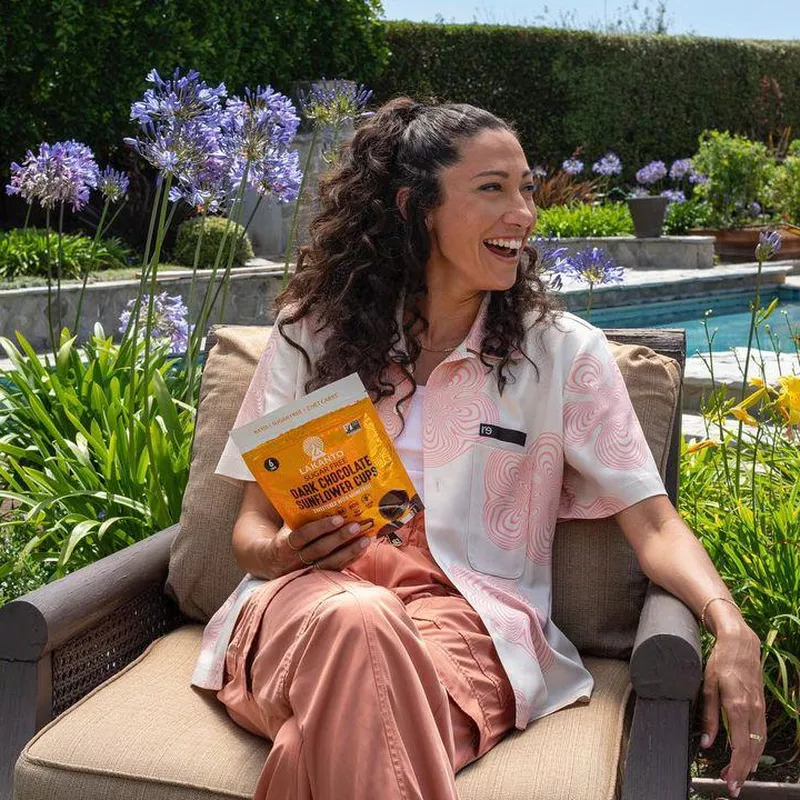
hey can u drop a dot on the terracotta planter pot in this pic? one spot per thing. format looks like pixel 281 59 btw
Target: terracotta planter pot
pixel 648 215
pixel 738 245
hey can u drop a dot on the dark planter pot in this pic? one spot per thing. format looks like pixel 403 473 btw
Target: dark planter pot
pixel 738 245
pixel 648 215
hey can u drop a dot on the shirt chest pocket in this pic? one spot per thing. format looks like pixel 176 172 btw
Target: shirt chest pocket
pixel 499 504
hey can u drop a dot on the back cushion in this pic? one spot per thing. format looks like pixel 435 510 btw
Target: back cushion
pixel 598 587
pixel 202 570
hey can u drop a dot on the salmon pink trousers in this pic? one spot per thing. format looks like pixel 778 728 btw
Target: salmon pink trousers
pixel 376 681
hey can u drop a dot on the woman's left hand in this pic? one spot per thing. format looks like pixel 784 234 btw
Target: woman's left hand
pixel 734 682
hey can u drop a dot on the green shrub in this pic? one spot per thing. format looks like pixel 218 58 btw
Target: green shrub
pixel 19 572
pixel 23 253
pixel 73 450
pixel 585 219
pixel 740 173
pixel 647 97
pixel 213 230
pixel 682 217
pixel 786 187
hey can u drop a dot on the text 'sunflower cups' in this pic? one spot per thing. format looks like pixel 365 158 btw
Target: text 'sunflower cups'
pixel 329 453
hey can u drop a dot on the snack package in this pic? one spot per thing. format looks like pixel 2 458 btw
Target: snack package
pixel 329 453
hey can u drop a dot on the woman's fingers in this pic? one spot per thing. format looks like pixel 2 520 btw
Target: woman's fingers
pixel 743 752
pixel 311 531
pixel 325 545
pixel 710 709
pixel 344 556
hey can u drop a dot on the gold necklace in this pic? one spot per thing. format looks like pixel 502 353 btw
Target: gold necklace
pixel 434 350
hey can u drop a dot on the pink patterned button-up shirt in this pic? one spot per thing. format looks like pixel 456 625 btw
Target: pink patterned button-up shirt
pixel 561 442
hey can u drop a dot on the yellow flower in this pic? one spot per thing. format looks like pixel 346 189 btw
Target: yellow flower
pixel 695 447
pixel 742 415
pixel 758 382
pixel 788 401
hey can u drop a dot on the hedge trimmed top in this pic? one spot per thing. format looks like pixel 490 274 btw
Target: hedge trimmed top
pixel 644 97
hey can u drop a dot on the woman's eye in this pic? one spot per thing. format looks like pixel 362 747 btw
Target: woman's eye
pixel 529 187
pixel 492 187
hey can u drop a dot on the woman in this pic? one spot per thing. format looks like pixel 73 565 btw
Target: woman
pixel 380 671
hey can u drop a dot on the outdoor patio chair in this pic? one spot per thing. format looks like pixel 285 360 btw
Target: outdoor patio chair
pixel 95 700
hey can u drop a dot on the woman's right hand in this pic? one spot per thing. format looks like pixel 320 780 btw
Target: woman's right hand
pixel 324 544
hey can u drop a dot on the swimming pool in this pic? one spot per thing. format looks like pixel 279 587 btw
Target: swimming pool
pixel 730 317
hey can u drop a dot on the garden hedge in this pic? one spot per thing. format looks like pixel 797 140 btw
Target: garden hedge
pixel 70 69
pixel 644 97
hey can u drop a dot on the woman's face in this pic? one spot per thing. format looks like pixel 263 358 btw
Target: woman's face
pixel 484 218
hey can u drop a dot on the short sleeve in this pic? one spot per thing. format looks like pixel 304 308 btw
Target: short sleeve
pixel 274 384
pixel 608 465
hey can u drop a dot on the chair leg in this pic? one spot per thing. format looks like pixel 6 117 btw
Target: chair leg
pixel 24 708
pixel 657 763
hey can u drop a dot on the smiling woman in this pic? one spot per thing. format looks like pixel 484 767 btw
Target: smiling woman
pixel 430 647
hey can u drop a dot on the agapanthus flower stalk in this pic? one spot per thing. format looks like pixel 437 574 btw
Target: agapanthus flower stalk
pixel 170 319
pixel 64 172
pixel 608 165
pixel 113 185
pixel 591 266
pixel 332 103
pixel 572 166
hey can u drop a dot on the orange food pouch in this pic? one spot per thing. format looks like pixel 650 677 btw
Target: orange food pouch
pixel 329 453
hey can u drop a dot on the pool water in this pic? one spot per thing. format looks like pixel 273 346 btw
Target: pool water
pixel 730 317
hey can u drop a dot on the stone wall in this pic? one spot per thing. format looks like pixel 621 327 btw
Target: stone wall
pixel 251 299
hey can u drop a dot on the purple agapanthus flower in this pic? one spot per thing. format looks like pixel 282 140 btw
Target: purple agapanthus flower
pixel 255 134
pixel 681 168
pixel 697 178
pixel 674 195
pixel 608 165
pixel 572 166
pixel 538 171
pixel 170 321
pixel 652 173
pixel 640 191
pixel 754 209
pixel 180 122
pixel 64 172
pixel 591 266
pixel 113 184
pixel 769 243
pixel 334 102
pixel 549 257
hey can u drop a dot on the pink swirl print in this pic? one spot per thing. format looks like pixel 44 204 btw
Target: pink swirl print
pixel 506 611
pixel 603 405
pixel 523 707
pixel 254 402
pixel 548 464
pixel 505 509
pixel 520 504
pixel 570 508
pixel 455 405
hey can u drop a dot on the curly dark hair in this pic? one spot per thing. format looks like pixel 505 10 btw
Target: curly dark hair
pixel 363 256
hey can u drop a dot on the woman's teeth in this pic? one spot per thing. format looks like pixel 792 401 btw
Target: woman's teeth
pixel 506 248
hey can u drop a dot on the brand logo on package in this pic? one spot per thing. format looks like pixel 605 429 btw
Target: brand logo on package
pixel 314 448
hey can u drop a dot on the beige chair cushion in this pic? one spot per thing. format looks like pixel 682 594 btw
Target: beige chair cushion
pixel 147 733
pixel 202 571
pixel 598 587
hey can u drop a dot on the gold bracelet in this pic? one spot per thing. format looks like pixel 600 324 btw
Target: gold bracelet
pixel 708 603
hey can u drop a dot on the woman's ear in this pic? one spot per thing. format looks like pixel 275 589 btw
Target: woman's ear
pixel 401 199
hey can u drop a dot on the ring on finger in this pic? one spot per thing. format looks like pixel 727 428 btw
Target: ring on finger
pixel 757 737
pixel 291 546
pixel 307 563
pixel 315 565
